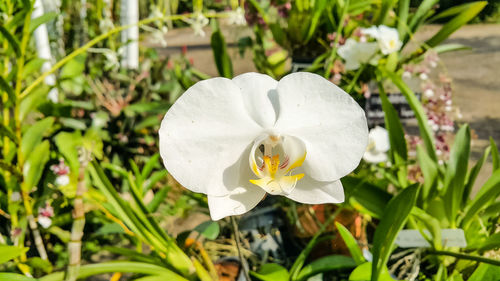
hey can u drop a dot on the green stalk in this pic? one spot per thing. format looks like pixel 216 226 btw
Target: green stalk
pixel 75 243
pixel 333 54
pixel 465 257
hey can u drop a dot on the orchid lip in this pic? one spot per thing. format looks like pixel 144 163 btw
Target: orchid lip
pixel 273 158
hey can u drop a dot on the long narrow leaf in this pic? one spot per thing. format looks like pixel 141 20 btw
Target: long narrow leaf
pixel 421 13
pixel 13 43
pixel 324 264
pixel 430 172
pixel 456 170
pixel 495 158
pixel 4 86
pixel 456 23
pixel 472 175
pixel 395 215
pixel 384 10
pixel 416 106
pixel 351 244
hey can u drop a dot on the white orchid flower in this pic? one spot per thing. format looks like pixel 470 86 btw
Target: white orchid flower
pixel 236 140
pixel 378 145
pixel 356 53
pixel 237 17
pixel 198 22
pixel 387 38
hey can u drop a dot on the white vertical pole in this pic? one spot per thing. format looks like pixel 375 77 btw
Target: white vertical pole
pixel 43 50
pixel 129 15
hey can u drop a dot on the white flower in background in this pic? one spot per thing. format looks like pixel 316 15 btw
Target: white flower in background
pixel 15 196
pixel 387 38
pixel 356 53
pixel 236 140
pixel 237 17
pixel 198 22
pixel 44 215
pixel 378 145
pixel 62 180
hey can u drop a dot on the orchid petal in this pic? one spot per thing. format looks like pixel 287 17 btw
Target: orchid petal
pixel 204 134
pixel 259 94
pixel 241 201
pixel 310 191
pixel 330 123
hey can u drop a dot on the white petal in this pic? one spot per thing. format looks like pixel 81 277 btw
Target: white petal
pixel 375 157
pixel 331 124
pixel 242 201
pixel 380 137
pixel 372 31
pixel 204 135
pixel 259 94
pixel 310 191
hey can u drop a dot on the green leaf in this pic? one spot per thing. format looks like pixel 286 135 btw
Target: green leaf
pixel 488 193
pixel 74 67
pixel 445 48
pixel 4 86
pixel 120 266
pixel 421 14
pixel 13 43
pixel 395 215
pixel 67 144
pixel 399 153
pixel 492 242
pixel 456 170
pixel 34 135
pixel 431 224
pixel 485 272
pixel 34 165
pixel 403 8
pixel 319 7
pixel 32 66
pixel 495 158
pixel 454 10
pixel 351 243
pixel 271 272
pixel 423 124
pixel 150 165
pixel 7 166
pixel 472 175
pixel 364 273
pixel 221 57
pixel 364 196
pixel 7 132
pixel 209 229
pixel 15 277
pixel 325 264
pixel 384 10
pixel 455 23
pixel 430 172
pixel 8 253
pixel 36 22
pixel 158 199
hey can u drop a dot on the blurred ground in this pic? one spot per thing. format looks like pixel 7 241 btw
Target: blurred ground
pixel 475 73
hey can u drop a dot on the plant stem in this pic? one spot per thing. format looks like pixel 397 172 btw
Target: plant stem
pixel 243 261
pixel 75 244
pixel 465 257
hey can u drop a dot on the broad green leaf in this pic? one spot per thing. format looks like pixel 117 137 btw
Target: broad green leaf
pixel 456 170
pixel 485 272
pixel 32 66
pixel 221 57
pixel 364 196
pixel 399 153
pixel 34 135
pixel 395 215
pixel 364 273
pixel 423 124
pixel 325 264
pixel 13 43
pixel 8 253
pixel 34 165
pixel 5 87
pixel 120 266
pixel 209 229
pixel 92 142
pixel 67 144
pixel 472 175
pixel 271 272
pixel 455 23
pixel 74 67
pixel 351 243
pixel 36 22
pixel 15 277
pixel 495 158
pixel 488 193
pixel 430 172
